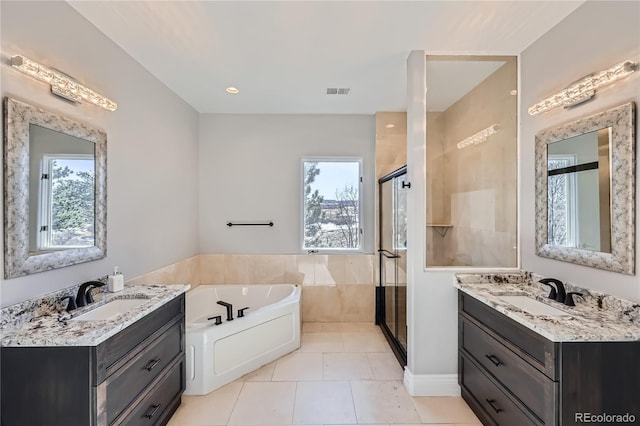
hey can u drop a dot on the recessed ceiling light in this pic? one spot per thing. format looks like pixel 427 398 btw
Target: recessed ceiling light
pixel 232 90
pixel 390 126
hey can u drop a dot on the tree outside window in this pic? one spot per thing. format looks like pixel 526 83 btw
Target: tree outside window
pixel 332 204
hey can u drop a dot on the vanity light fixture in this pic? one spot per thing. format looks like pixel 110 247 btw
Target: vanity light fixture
pixel 479 137
pixel 390 126
pixel 61 84
pixel 232 90
pixel 584 89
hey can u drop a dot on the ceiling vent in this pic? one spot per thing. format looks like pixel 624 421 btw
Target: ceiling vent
pixel 338 90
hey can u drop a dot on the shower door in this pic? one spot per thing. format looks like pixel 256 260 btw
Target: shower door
pixel 391 294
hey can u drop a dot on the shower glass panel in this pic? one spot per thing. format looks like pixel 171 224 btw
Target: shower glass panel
pixel 391 298
pixel 471 161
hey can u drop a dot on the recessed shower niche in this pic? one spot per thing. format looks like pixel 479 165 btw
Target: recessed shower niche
pixel 471 161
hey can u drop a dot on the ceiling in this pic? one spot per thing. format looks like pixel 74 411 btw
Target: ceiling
pixel 284 55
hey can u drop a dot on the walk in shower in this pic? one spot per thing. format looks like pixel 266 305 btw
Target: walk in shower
pixel 391 293
pixel 471 161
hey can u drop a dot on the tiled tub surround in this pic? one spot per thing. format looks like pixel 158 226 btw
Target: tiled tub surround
pixel 335 288
pixel 597 318
pixel 44 322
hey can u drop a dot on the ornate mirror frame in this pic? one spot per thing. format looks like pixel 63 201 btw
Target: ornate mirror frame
pixel 621 119
pixel 18 116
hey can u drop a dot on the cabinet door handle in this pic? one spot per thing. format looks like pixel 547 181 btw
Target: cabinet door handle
pixel 150 413
pixel 492 403
pixel 152 364
pixel 494 359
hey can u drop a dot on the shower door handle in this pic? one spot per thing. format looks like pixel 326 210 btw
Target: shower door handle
pixel 406 184
pixel 388 254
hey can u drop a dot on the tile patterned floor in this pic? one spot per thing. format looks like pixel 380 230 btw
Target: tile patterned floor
pixel 343 374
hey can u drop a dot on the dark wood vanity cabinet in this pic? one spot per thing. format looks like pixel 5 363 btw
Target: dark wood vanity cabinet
pixel 512 376
pixel 135 377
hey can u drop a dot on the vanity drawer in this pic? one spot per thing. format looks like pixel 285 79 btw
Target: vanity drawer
pixel 163 396
pixel 528 384
pixel 116 351
pixel 125 384
pixel 487 394
pixel 534 348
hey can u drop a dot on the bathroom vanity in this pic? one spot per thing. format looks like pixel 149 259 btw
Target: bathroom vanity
pixel 62 369
pixel 516 368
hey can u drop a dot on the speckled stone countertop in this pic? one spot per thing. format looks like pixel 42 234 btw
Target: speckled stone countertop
pixel 596 318
pixel 44 322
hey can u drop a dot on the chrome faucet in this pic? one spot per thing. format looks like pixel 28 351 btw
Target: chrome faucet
pixel 229 307
pixel 84 296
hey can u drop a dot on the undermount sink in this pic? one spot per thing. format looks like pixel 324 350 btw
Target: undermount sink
pixel 532 306
pixel 110 310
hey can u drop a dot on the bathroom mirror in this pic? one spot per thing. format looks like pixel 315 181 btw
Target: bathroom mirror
pixel 55 190
pixel 585 196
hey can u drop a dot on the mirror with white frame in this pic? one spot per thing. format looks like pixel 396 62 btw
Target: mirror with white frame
pixel 55 190
pixel 585 196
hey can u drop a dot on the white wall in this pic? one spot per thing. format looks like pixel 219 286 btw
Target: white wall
pixel 152 145
pixel 250 170
pixel 432 319
pixel 594 37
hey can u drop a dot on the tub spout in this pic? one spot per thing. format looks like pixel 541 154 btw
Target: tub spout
pixel 229 307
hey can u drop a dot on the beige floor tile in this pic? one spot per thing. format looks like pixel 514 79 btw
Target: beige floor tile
pixel 444 409
pixel 346 366
pixel 212 409
pixel 264 403
pixel 385 366
pixel 364 342
pixel 298 366
pixel 262 374
pixel 325 402
pixel 322 342
pixel 383 402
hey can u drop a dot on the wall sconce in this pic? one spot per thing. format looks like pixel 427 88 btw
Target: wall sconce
pixel 61 84
pixel 584 89
pixel 479 137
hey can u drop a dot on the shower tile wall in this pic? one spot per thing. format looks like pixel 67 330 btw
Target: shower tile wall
pixel 335 287
pixel 474 189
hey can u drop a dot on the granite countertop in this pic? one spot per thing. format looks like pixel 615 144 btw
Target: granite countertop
pixel 596 318
pixel 48 325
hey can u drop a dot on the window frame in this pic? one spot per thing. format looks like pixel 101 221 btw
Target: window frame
pixel 571 213
pixel 332 250
pixel 45 200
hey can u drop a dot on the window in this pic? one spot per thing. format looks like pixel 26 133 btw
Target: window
pixel 331 204
pixel 562 220
pixel 66 214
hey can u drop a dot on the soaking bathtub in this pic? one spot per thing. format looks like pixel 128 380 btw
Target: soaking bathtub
pixel 219 354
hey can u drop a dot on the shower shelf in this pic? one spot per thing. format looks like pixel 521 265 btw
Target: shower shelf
pixel 440 228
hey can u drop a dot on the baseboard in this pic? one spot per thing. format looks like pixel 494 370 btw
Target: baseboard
pixel 431 384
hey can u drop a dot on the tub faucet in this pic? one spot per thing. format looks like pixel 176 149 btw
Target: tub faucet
pixel 229 307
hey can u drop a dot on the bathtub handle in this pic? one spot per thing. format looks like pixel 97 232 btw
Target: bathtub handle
pixel 152 364
pixel 218 319
pixel 241 312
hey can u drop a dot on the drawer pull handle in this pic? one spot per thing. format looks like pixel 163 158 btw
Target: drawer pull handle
pixel 152 411
pixel 492 404
pixel 494 359
pixel 152 364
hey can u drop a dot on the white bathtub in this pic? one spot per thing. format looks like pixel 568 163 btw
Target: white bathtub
pixel 219 354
